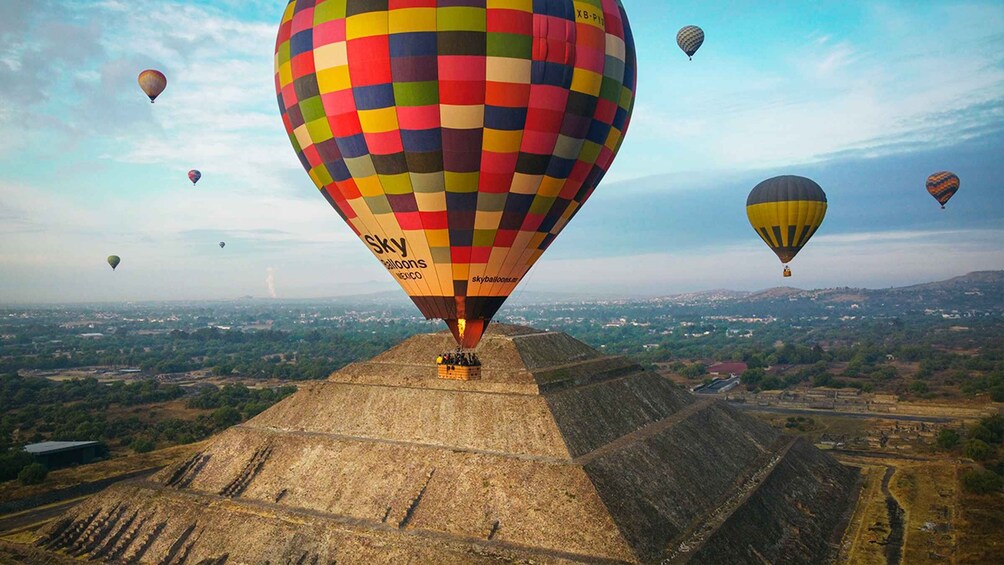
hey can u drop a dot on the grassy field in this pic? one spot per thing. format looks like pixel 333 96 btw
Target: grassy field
pixel 928 492
pixel 942 523
pixel 869 526
pixel 981 527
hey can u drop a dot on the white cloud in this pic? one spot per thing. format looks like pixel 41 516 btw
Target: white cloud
pixel 78 117
pixel 863 260
pixel 831 94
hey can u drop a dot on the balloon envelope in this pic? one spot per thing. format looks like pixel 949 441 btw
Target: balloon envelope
pixel 194 176
pixel 690 39
pixel 223 244
pixel 457 141
pixel 114 261
pixel 943 186
pixel 785 211
pixel 153 82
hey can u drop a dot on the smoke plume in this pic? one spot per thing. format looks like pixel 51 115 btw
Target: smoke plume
pixel 270 282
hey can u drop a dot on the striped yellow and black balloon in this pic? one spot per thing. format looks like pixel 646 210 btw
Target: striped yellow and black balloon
pixel 943 186
pixel 785 211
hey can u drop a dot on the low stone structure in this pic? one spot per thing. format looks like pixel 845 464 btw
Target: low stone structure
pixel 556 454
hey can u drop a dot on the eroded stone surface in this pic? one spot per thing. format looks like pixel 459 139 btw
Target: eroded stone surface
pixel 558 454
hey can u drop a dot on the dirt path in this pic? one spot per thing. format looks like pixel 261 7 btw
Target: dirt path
pixel 897 532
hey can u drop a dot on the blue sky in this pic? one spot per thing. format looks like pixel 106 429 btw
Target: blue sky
pixel 867 98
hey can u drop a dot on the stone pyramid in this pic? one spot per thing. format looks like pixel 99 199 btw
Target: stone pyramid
pixel 558 454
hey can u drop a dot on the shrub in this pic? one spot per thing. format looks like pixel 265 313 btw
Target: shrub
pixel 981 481
pixel 995 425
pixel 977 450
pixel 142 445
pixel 982 433
pixel 12 462
pixel 694 371
pixel 948 439
pixel 33 474
pixel 226 417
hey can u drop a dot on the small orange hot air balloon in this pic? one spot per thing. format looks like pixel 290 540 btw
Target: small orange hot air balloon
pixel 153 82
pixel 943 186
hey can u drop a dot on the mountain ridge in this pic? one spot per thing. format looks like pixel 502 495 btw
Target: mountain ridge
pixel 975 283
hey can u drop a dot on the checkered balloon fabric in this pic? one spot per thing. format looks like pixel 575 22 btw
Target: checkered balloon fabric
pixel 690 38
pixel 457 138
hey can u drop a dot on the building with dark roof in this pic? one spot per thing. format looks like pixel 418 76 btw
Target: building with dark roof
pixel 56 454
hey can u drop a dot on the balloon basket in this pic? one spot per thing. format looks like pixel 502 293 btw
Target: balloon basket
pixel 786 272
pixel 459 372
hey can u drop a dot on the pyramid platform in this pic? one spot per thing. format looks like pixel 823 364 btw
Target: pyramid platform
pixel 558 454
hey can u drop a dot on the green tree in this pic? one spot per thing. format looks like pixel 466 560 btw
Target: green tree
pixel 226 417
pixel 982 433
pixel 142 445
pixel 995 426
pixel 977 450
pixel 753 377
pixel 947 439
pixel 33 474
pixel 694 371
pixel 981 481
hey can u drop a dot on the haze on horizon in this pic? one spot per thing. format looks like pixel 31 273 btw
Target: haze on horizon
pixel 863 97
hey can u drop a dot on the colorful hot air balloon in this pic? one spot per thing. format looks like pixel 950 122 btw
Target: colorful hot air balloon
pixel 152 82
pixel 114 261
pixel 943 186
pixel 194 176
pixel 456 141
pixel 223 244
pixel 690 38
pixel 785 211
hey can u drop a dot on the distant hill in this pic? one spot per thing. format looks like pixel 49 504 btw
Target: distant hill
pixel 980 291
pixel 973 279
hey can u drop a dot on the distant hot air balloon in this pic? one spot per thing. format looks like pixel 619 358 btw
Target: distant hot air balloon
pixel 785 211
pixel 153 82
pixel 194 176
pixel 943 186
pixel 114 261
pixel 223 244
pixel 690 38
pixel 456 146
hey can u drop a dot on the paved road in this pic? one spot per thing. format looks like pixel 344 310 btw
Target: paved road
pixel 859 415
pixel 14 522
pixel 46 506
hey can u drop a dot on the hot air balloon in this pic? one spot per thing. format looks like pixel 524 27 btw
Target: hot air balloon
pixel 943 186
pixel 458 141
pixel 114 261
pixel 690 38
pixel 785 211
pixel 223 244
pixel 194 176
pixel 153 82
